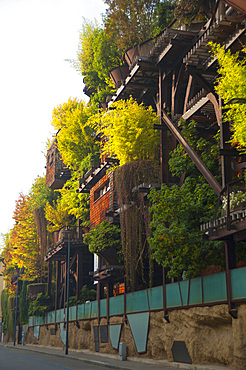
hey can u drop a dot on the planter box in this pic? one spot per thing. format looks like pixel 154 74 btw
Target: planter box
pixel 140 50
pixel 118 75
pixel 35 289
pixel 110 255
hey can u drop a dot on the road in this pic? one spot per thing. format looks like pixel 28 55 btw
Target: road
pixel 48 358
pixel 12 359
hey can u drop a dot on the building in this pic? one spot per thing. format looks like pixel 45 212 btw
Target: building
pixel 81 260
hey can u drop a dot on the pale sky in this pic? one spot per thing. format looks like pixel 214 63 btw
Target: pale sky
pixel 36 38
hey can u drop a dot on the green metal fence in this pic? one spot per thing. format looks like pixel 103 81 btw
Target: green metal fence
pixel 205 290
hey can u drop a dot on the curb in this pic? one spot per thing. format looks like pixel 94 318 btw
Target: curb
pixel 164 363
pixel 93 362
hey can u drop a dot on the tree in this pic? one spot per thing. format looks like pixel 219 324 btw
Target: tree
pixel 177 212
pixel 75 140
pixel 231 84
pixel 79 150
pixel 188 10
pixel 134 21
pixel 69 206
pixel 75 203
pixel 58 216
pixel 128 131
pixel 102 237
pixel 40 193
pixel 97 55
pixel 21 244
pixel 165 15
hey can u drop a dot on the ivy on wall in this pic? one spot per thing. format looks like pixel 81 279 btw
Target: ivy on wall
pixel 134 220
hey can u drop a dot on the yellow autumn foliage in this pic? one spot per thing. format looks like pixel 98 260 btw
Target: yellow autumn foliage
pixel 128 131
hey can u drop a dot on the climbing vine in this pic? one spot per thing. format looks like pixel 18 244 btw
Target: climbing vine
pixel 134 220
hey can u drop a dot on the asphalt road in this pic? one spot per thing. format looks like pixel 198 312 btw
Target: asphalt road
pixel 11 359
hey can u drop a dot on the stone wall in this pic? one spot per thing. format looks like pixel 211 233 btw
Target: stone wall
pixel 210 335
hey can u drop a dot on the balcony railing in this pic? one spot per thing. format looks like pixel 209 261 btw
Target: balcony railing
pixel 58 250
pixel 233 212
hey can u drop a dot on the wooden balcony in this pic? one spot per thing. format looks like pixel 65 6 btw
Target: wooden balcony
pixel 58 252
pixel 56 172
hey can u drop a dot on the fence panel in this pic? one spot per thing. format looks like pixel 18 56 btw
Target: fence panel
pixel 184 291
pixel 103 307
pixel 94 309
pixel 72 313
pixel 88 310
pixel 116 305
pixel 137 301
pixel 155 296
pixel 81 311
pixel 173 298
pixel 195 294
pixel 238 286
pixel 59 315
pixel 214 288
pixel 51 317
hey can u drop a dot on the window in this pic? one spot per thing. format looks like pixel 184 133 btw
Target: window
pixel 101 191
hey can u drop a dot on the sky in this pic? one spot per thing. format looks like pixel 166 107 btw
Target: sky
pixel 37 36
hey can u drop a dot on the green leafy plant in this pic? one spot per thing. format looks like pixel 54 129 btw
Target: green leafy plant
pixel 39 306
pixel 78 148
pixel 102 237
pixel 4 306
pixel 231 84
pixel 40 193
pixel 237 198
pixel 87 294
pixel 75 140
pixel 97 55
pixel 72 301
pixel 128 131
pixel 178 211
pixel 23 304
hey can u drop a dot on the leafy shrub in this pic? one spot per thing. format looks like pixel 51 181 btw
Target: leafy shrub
pixel 87 294
pixel 39 306
pixel 102 237
pixel 129 131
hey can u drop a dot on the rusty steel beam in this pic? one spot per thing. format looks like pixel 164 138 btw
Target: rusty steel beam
pixel 240 5
pixel 163 134
pixel 215 103
pixel 192 154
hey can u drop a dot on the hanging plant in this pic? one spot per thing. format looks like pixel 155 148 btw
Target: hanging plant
pixel 135 219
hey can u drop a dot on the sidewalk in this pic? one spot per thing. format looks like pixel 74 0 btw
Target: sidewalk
pixel 112 361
